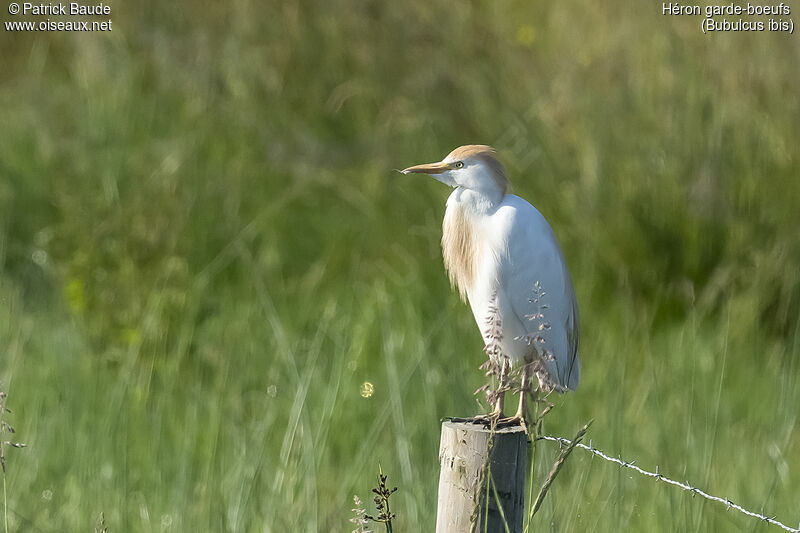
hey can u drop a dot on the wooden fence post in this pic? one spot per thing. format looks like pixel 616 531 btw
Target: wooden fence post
pixel 465 451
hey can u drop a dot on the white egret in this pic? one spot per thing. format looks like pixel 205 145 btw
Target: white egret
pixel 505 260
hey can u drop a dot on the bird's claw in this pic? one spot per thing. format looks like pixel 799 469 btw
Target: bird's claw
pixel 493 420
pixel 486 420
pixel 512 421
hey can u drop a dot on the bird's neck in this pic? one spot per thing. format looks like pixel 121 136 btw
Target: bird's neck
pixel 478 202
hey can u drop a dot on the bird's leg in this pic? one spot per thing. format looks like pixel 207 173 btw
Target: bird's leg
pixel 519 418
pixel 499 402
pixel 498 405
pixel 501 390
pixel 523 393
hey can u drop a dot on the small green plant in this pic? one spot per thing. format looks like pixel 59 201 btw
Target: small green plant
pixel 381 499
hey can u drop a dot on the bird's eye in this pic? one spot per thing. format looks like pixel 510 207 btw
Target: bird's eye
pixel 459 164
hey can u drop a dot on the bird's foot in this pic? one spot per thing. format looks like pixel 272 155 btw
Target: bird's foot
pixel 493 420
pixel 485 420
pixel 511 421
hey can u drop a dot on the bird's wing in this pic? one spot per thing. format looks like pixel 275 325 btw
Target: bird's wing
pixel 540 293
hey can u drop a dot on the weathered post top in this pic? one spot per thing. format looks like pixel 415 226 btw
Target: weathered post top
pixel 476 463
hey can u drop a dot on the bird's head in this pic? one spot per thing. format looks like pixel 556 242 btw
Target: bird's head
pixel 474 167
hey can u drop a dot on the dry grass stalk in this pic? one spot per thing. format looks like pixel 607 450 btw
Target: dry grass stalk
pixel 100 526
pixel 497 360
pixel 5 428
pixel 562 457
pixel 538 359
pixel 359 516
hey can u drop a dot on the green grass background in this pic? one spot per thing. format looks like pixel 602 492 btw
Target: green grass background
pixel 204 254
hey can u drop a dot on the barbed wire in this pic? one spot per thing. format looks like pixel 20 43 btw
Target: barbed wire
pixel 659 477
